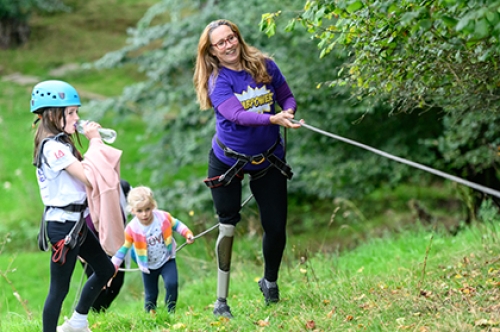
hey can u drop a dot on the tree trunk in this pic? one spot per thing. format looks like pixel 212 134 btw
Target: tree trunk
pixel 13 32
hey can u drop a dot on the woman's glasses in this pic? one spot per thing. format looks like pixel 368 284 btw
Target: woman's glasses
pixel 221 44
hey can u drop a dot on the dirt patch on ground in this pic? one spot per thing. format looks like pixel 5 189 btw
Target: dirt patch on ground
pixel 24 80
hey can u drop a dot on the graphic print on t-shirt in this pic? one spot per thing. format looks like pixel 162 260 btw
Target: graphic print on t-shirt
pixel 157 252
pixel 258 100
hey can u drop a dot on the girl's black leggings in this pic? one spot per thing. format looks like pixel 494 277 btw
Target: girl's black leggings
pixel 270 193
pixel 60 275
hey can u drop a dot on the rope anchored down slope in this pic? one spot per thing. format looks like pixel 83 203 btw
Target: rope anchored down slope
pixel 428 169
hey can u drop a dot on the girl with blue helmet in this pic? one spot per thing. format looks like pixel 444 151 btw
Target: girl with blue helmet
pixel 62 182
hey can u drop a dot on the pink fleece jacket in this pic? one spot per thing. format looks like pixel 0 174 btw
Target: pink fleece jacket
pixel 102 168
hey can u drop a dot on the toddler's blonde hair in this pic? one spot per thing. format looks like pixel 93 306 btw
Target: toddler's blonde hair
pixel 139 197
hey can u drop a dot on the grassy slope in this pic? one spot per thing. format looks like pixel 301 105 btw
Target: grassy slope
pixel 416 281
pixel 375 287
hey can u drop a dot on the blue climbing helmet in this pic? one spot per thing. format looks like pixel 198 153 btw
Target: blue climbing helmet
pixel 53 94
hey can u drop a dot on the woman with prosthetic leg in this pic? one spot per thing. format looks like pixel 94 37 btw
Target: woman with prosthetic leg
pixel 243 86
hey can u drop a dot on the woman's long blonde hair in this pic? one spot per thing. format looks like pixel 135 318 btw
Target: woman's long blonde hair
pixel 252 60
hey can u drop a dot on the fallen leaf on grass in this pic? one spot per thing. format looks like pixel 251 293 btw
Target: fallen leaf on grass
pixel 468 290
pixel 406 327
pixel 486 322
pixel 179 326
pixel 263 322
pixel 331 313
pixel 310 325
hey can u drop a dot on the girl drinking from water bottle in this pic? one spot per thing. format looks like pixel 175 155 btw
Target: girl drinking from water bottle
pixel 63 184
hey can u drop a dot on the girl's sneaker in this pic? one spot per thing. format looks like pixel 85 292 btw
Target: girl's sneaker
pixel 66 327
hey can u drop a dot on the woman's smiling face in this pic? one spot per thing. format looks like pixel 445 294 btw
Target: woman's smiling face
pixel 226 47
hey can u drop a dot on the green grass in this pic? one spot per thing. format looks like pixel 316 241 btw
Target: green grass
pixel 377 285
pixel 85 34
pixel 416 281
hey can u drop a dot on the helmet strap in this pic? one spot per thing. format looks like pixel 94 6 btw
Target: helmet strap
pixel 38 118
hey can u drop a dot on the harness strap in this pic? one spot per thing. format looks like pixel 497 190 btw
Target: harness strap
pixel 227 177
pixel 78 232
pixel 242 160
pixel 285 169
pixel 63 246
pixel 43 244
pixel 40 157
pixel 72 235
pixel 71 207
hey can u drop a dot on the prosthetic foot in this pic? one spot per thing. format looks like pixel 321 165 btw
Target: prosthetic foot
pixel 223 250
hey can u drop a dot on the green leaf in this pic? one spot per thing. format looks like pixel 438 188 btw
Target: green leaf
pixel 482 29
pixel 355 6
pixel 408 17
pixel 425 24
pixel 449 21
pixel 492 18
pixel 290 26
pixel 464 21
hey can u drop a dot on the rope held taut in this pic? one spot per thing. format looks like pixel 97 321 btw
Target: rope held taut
pixel 472 185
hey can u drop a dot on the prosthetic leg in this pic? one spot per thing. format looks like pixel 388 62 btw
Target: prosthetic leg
pixel 223 250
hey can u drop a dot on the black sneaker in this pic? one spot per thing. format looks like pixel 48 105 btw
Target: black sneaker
pixel 222 309
pixel 271 294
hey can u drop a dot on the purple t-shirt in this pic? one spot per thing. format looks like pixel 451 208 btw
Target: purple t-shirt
pixel 242 110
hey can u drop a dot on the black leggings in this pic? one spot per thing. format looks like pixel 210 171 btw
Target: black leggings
pixel 60 275
pixel 110 292
pixel 270 192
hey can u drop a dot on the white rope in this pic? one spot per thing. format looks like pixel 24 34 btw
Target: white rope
pixel 79 289
pixel 405 161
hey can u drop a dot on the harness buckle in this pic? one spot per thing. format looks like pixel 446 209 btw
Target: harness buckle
pixel 67 239
pixel 258 159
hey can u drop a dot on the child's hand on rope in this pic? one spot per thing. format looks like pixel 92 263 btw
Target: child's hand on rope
pixel 190 238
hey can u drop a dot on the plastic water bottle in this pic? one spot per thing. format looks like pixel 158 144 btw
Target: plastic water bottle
pixel 107 135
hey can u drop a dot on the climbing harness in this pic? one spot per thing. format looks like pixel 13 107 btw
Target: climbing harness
pixel 404 161
pixel 77 233
pixel 242 160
